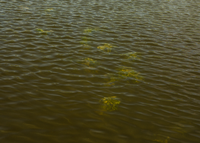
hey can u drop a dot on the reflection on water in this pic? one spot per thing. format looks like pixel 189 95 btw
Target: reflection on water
pixel 140 59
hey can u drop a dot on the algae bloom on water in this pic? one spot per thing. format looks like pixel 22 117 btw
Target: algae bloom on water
pixel 89 30
pixel 89 62
pixel 131 55
pixel 106 47
pixel 127 72
pixel 42 31
pixel 110 103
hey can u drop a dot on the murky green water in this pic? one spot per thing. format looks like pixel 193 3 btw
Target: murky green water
pixel 99 71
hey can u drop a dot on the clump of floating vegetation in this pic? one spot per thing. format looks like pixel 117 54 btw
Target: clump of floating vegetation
pixel 124 73
pixel 131 55
pixel 42 31
pixel 89 30
pixel 162 141
pixel 49 9
pixel 106 47
pixel 89 62
pixel 110 103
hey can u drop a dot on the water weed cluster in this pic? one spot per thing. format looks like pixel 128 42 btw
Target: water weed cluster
pixel 43 31
pixel 124 73
pixel 110 103
pixel 106 47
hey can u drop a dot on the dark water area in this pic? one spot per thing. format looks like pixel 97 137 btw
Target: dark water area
pixel 99 71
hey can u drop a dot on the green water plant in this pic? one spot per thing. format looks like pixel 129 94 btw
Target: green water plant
pixel 106 47
pixel 162 141
pixel 131 55
pixel 110 103
pixel 127 72
pixel 89 62
pixel 42 31
pixel 123 73
pixel 89 30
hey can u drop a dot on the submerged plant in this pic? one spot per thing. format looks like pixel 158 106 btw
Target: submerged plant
pixel 163 141
pixel 106 47
pixel 127 72
pixel 89 62
pixel 124 73
pixel 110 103
pixel 131 55
pixel 89 30
pixel 42 31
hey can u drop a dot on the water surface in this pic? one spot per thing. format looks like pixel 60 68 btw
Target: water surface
pixel 60 58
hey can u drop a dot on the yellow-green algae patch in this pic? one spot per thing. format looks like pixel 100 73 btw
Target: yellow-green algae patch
pixel 124 73
pixel 49 9
pixel 89 62
pixel 42 31
pixel 89 30
pixel 131 55
pixel 110 103
pixel 106 47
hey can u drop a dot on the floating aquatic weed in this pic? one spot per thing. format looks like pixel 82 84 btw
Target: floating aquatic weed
pixel 162 141
pixel 106 47
pixel 123 73
pixel 89 30
pixel 49 9
pixel 110 103
pixel 127 72
pixel 131 55
pixel 42 31
pixel 89 62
